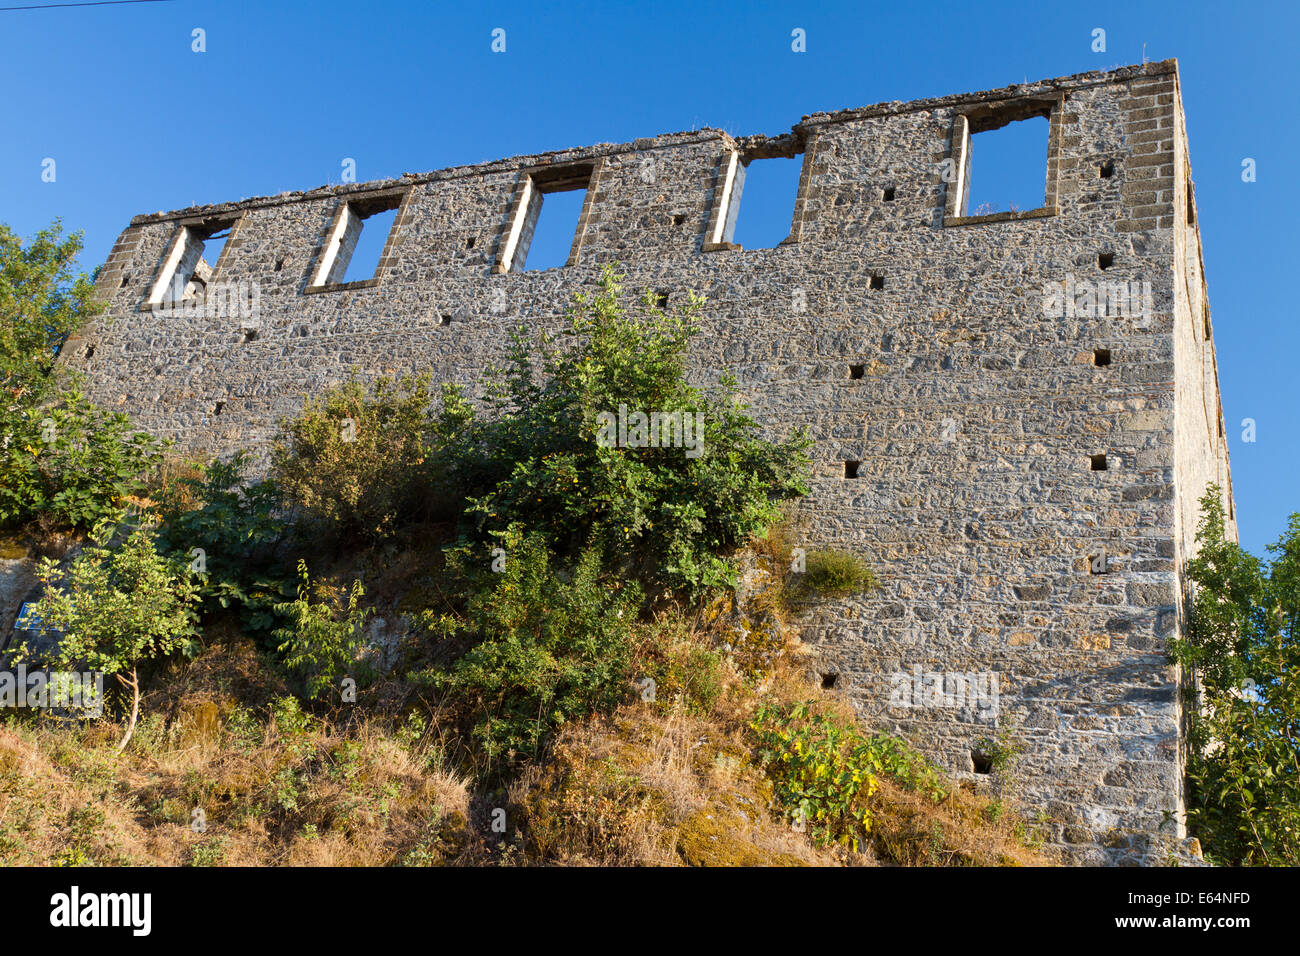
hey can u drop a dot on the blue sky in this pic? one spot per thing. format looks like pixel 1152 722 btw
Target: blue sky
pixel 136 121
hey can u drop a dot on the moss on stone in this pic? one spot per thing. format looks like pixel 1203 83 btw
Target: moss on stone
pixel 12 548
pixel 708 837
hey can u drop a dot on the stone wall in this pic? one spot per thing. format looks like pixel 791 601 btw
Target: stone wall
pixel 17 579
pixel 907 334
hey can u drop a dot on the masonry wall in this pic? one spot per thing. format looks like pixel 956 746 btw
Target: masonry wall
pixel 974 418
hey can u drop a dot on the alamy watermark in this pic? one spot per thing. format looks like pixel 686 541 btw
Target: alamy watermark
pixel 968 690
pixel 1072 298
pixel 81 692
pixel 75 908
pixel 655 430
pixel 232 298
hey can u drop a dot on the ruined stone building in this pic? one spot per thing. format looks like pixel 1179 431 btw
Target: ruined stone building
pixel 1014 412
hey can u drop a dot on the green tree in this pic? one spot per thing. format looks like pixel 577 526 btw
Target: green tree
pixel 114 609
pixel 62 459
pixel 548 458
pixel 1242 655
pixel 42 301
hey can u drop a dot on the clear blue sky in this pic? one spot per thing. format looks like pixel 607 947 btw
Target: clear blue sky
pixel 137 122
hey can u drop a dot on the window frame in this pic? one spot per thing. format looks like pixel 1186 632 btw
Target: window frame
pixel 176 249
pixel 985 118
pixel 525 210
pixel 729 185
pixel 362 205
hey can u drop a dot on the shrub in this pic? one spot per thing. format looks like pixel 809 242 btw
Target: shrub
pixel 354 461
pixel 550 458
pixel 909 769
pixel 822 771
pixel 71 463
pixel 832 574
pixel 551 648
pixel 323 638
pixel 289 718
pixel 119 608
pixel 1003 751
pixel 230 529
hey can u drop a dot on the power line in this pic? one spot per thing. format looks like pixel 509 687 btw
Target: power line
pixel 89 3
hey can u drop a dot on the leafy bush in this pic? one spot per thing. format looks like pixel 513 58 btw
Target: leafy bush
pixel 355 460
pixel 907 768
pixel 552 648
pixel 71 463
pixel 119 608
pixel 1242 653
pixel 289 718
pixel 822 771
pixel 363 463
pixel 547 457
pixel 323 639
pixel 230 529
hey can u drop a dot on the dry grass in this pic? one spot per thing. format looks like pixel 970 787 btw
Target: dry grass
pixel 651 784
pixel 217 782
pixel 667 783
pixel 649 788
pixel 961 830
pixel 655 785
